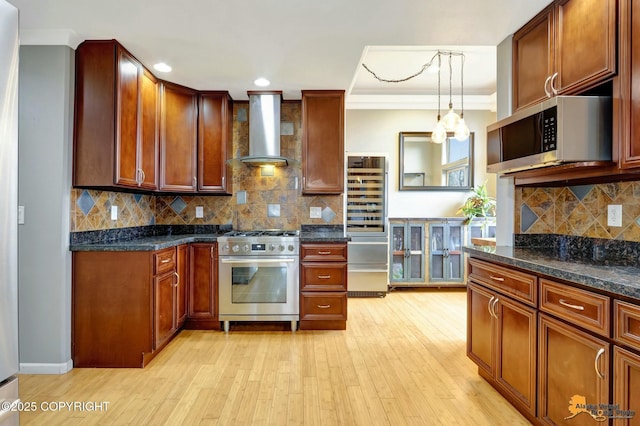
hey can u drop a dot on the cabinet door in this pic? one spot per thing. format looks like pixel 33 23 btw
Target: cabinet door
pixel 322 142
pixel 164 313
pixel 629 84
pixel 533 60
pixel 398 269
pixel 215 115
pixel 626 386
pixel 454 265
pixel 586 45
pixel 182 278
pixel 571 363
pixel 202 275
pixel 480 327
pixel 148 146
pixel 178 137
pixel 516 351
pixel 127 107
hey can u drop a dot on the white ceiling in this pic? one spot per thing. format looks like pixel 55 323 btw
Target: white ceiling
pixel 297 44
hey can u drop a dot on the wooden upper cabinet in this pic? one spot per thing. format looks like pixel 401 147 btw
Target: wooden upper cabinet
pixel 215 127
pixel 566 49
pixel 322 141
pixel 533 60
pixel 628 125
pixel 178 138
pixel 115 129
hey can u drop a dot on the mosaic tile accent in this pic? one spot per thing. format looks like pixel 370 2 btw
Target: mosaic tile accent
pixel 282 188
pixel 579 210
pixel 85 202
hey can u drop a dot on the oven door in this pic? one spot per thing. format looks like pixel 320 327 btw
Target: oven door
pixel 258 288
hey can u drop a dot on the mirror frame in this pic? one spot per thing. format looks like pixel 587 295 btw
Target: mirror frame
pixel 450 139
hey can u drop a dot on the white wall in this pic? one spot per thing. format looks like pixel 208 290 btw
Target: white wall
pixel 377 131
pixel 44 261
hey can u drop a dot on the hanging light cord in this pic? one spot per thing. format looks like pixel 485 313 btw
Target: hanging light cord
pixel 450 78
pixel 424 67
pixel 439 63
pixel 462 87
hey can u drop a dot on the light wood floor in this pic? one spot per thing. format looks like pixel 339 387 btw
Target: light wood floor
pixel 400 362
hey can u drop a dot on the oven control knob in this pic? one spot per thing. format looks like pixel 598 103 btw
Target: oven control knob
pixel 290 248
pixel 225 248
pixel 281 247
pixel 245 248
pixel 235 248
pixel 272 247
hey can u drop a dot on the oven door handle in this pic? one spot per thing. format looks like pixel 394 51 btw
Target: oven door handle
pixel 256 261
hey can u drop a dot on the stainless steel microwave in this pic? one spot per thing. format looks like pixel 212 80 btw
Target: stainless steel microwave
pixel 562 129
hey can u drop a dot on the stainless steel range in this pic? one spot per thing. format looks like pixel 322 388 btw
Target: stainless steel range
pixel 258 276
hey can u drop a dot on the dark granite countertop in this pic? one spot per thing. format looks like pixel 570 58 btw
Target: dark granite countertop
pixel 618 280
pixel 145 243
pixel 323 234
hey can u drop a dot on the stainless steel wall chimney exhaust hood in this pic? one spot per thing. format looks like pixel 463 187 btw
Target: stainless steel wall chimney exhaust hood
pixel 264 129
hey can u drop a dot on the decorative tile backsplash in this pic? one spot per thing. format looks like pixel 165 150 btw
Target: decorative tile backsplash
pixel 91 209
pixel 579 210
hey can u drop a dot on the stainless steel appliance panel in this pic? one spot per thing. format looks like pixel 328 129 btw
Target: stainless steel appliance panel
pixel 9 202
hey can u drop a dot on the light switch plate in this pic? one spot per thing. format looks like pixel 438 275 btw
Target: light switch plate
pixel 315 212
pixel 199 212
pixel 114 212
pixel 241 197
pixel 20 215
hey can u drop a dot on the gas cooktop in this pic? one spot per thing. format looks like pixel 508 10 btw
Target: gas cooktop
pixel 262 233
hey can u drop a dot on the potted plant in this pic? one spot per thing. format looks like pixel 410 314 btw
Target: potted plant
pixel 478 204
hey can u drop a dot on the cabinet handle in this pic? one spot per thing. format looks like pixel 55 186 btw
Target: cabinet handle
pixel 500 279
pixel 323 306
pixel 142 177
pixel 324 277
pixel 324 252
pixel 552 85
pixel 569 305
pixel 195 182
pixel 595 364
pixel 493 308
pixel 177 279
pixel 165 261
pixel 489 306
pixel 223 181
pixel 546 83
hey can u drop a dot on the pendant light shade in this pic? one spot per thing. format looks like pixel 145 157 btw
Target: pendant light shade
pixel 439 133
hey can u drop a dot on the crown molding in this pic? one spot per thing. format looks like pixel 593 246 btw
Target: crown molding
pixel 471 102
pixel 42 37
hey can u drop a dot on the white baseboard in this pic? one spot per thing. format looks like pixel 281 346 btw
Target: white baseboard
pixel 49 368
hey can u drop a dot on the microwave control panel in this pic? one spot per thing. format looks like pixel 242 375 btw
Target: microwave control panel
pixel 549 129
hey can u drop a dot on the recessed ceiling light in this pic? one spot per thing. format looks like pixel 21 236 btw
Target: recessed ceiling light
pixel 262 82
pixel 162 67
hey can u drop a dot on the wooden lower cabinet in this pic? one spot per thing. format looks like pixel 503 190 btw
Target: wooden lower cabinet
pixel 626 385
pixel 203 287
pixel 323 286
pixel 124 306
pixel 501 340
pixel 572 363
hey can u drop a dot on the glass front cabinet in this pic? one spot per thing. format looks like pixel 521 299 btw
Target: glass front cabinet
pixel 446 258
pixel 407 253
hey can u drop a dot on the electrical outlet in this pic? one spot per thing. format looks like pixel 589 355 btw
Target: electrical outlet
pixel 614 215
pixel 199 212
pixel 315 212
pixel 114 212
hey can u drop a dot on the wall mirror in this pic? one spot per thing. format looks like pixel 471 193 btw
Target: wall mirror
pixel 429 166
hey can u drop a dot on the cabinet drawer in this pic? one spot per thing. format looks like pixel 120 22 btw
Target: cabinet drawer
pixel 519 285
pixel 323 276
pixel 626 328
pixel 323 306
pixel 323 252
pixel 580 307
pixel 164 261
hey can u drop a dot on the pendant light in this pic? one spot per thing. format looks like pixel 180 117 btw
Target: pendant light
pixel 461 130
pixel 439 133
pixel 451 119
